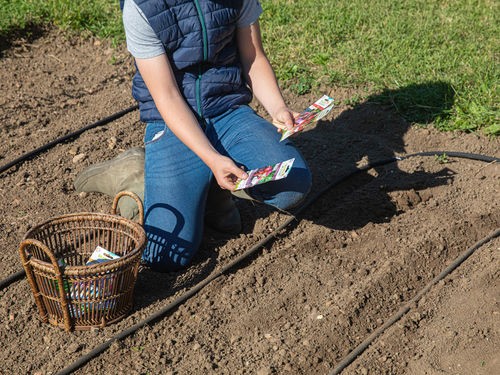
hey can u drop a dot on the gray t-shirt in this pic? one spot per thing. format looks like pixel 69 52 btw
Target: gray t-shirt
pixel 142 41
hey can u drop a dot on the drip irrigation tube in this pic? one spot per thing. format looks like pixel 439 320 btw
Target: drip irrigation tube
pixel 66 137
pixel 378 163
pixel 10 279
pixel 393 319
pixel 20 274
pixel 81 361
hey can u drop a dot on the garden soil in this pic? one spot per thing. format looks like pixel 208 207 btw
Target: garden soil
pixel 304 301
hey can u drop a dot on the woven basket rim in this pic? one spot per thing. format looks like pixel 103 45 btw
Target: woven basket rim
pixel 88 215
pixel 94 269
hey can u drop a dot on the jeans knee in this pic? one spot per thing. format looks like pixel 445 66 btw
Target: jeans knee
pixel 294 192
pixel 288 199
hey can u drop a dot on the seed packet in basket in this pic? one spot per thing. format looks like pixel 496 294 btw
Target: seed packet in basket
pixel 86 296
pixel 91 296
pixel 69 294
pixel 82 290
pixel 101 255
pixel 265 174
pixel 315 112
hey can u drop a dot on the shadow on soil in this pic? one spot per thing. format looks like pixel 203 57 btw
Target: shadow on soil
pixel 20 36
pixel 373 131
pixel 370 131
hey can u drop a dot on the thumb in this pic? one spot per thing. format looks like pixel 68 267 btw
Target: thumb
pixel 239 172
pixel 287 118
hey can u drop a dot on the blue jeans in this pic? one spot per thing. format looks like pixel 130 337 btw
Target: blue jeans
pixel 177 181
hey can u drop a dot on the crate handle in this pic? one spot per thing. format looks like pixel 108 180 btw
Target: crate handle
pixel 34 287
pixel 133 196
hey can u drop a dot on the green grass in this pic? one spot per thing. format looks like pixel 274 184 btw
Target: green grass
pixel 433 61
pixel 406 48
pixel 101 18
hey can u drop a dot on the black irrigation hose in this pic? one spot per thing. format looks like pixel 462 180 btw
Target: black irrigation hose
pixel 18 275
pixel 378 163
pixel 66 137
pixel 191 292
pixel 10 279
pixel 165 310
pixel 464 155
pixel 393 319
pixel 162 312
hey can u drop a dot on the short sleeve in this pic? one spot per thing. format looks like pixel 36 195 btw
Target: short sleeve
pixel 142 41
pixel 250 13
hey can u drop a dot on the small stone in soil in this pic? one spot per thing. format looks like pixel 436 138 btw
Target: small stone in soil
pixel 78 158
pixel 73 348
pixel 264 371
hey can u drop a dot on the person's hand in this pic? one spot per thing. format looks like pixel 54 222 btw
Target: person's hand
pixel 226 172
pixel 284 118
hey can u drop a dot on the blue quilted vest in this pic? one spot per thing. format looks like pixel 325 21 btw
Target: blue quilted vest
pixel 199 38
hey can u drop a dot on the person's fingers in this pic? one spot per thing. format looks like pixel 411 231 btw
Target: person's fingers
pixel 288 119
pixel 279 125
pixel 229 183
pixel 284 120
pixel 239 172
pixel 228 175
pixel 224 181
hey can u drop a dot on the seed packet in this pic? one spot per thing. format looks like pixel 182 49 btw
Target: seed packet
pixel 86 297
pixel 265 174
pixel 315 112
pixel 87 309
pixel 101 255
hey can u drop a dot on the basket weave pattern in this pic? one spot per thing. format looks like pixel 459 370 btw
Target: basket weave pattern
pixel 70 294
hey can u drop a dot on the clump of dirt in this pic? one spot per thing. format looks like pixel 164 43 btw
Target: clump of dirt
pixel 315 292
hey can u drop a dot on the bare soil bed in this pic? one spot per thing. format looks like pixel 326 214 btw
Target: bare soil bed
pixel 302 303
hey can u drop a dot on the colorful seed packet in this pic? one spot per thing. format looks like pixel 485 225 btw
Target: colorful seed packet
pixel 101 255
pixel 265 174
pixel 86 297
pixel 315 112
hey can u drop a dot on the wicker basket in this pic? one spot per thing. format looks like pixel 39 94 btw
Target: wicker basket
pixel 70 294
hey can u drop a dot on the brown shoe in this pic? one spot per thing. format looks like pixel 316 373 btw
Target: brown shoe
pixel 124 172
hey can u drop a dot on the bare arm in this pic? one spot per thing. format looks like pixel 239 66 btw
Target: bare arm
pixel 260 75
pixel 159 78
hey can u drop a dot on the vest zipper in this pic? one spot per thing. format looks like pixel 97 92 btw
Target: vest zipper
pixel 205 57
